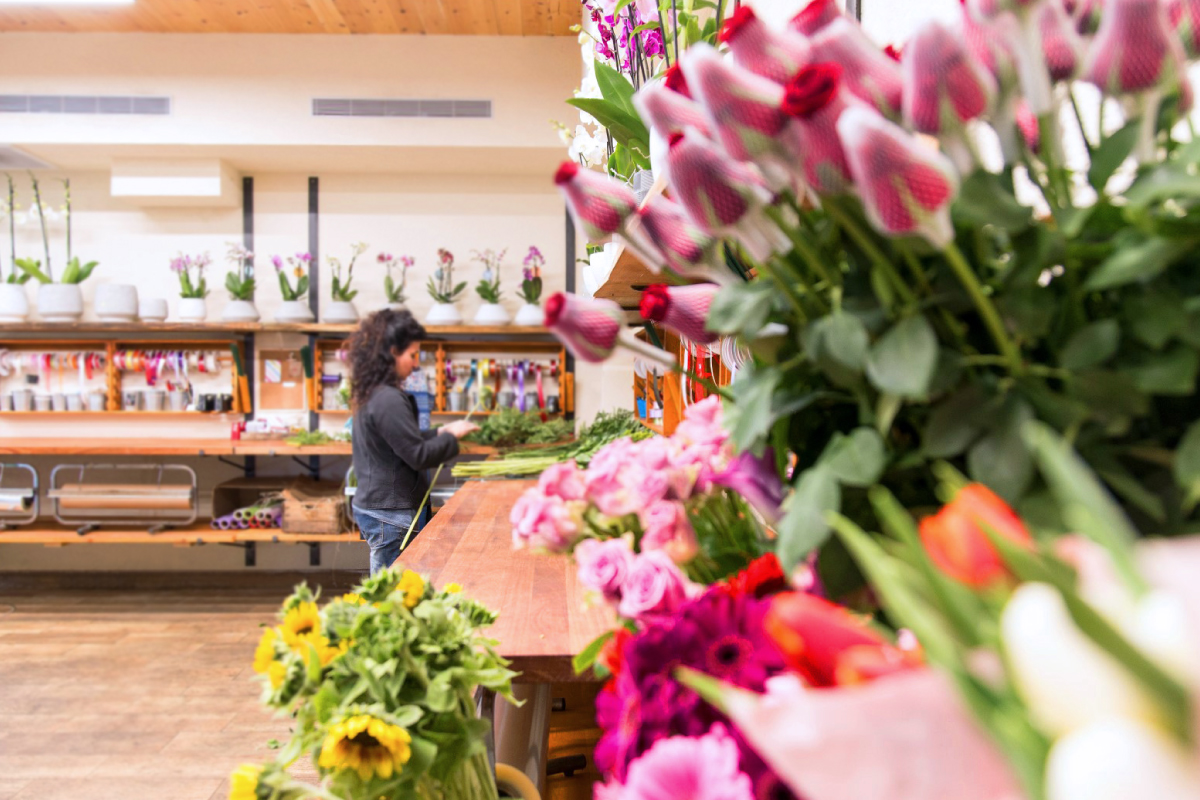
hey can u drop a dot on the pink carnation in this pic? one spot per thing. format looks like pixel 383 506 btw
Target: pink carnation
pixel 563 480
pixel 545 522
pixel 665 527
pixel 604 565
pixel 689 768
pixel 654 587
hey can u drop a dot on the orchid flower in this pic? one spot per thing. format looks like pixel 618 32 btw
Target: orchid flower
pixel 593 329
pixel 682 309
pixel 760 49
pixel 868 73
pixel 599 204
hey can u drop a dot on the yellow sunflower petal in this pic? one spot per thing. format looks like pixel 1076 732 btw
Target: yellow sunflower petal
pixel 243 783
pixel 264 654
pixel 413 586
pixel 453 588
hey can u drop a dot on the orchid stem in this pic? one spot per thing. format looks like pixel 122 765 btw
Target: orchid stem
pixel 991 318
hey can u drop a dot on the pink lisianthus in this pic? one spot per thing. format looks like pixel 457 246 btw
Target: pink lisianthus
pixel 666 527
pixel 603 565
pixel 905 187
pixel 815 16
pixel 599 204
pixel 564 480
pixel 682 309
pixel 653 588
pixel 756 47
pixel 944 86
pixel 1134 50
pixel 686 768
pixel 545 522
pixel 814 100
pixel 989 42
pixel 666 240
pixel 756 480
pixel 725 198
pixel 866 71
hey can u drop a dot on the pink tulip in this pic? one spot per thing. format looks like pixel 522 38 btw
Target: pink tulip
pixel 1027 123
pixel 944 87
pixel 665 527
pixel 599 204
pixel 682 309
pixel 1184 16
pixel 1134 50
pixel 722 196
pixel 665 239
pixel 604 565
pixel 1060 43
pixel 906 188
pixel 761 50
pixel 667 111
pixel 867 72
pixel 815 16
pixel 592 329
pixel 814 99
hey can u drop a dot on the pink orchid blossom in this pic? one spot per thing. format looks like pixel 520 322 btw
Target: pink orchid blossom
pixel 599 204
pixel 944 86
pixel 1134 50
pixel 666 240
pixel 686 768
pixel 682 309
pixel 565 480
pixel 653 588
pixel 866 71
pixel 1184 16
pixel 666 527
pixel 906 188
pixel 814 99
pixel 593 328
pixel 756 479
pixel 723 197
pixel 544 522
pixel 815 16
pixel 603 565
pixel 756 47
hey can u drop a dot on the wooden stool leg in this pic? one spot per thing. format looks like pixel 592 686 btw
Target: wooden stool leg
pixel 523 734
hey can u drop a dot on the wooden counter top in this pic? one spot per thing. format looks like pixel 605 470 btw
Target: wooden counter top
pixel 543 621
pixel 84 445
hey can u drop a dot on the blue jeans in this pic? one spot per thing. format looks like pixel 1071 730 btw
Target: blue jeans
pixel 384 530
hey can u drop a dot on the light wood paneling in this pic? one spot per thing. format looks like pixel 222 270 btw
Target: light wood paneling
pixel 462 17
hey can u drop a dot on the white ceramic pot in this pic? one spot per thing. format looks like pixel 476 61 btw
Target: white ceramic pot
pixel 14 305
pixel 530 315
pixel 443 314
pixel 60 302
pixel 239 311
pixel 193 309
pixel 396 307
pixel 152 309
pixel 116 302
pixel 491 314
pixel 294 311
pixel 338 312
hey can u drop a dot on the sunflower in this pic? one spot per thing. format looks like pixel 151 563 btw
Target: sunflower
pixel 413 586
pixel 277 672
pixel 353 599
pixel 299 622
pixel 264 654
pixel 366 745
pixel 453 588
pixel 243 783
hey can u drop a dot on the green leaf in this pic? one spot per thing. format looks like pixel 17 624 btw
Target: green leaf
pixel 856 459
pixel 953 426
pixel 1155 317
pixel 837 345
pixel 1091 345
pixel 1169 180
pixel 1000 459
pixel 1137 263
pixel 615 87
pixel 984 200
pixel 902 361
pixel 1111 154
pixel 33 269
pixel 749 420
pixel 1171 373
pixel 804 527
pixel 284 288
pixel 586 657
pixel 625 126
pixel 743 309
pixel 1187 464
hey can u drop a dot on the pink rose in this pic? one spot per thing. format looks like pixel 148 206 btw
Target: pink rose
pixel 545 522
pixel 701 424
pixel 665 527
pixel 563 480
pixel 604 565
pixel 654 587
pixel 620 481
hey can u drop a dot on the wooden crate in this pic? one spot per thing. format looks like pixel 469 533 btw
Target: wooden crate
pixel 315 507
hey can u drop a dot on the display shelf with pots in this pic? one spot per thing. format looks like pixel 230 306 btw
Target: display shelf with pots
pixel 243 327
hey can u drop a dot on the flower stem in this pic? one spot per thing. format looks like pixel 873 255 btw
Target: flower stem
pixel 802 247
pixel 865 243
pixel 790 291
pixel 991 317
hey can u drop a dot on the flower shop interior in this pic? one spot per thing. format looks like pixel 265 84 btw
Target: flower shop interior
pixel 821 376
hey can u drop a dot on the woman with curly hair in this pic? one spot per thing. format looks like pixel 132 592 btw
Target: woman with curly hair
pixel 391 452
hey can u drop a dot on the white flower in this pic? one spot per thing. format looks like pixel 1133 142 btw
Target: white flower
pixel 588 147
pixel 1120 759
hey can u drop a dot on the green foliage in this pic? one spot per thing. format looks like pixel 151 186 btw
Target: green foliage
pixel 489 291
pixel 445 297
pixel 77 272
pixel 341 292
pixel 31 268
pixel 239 288
pixel 531 290
pixel 285 287
pixel 509 427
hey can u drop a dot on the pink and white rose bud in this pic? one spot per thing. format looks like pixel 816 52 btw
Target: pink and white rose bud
pixel 723 197
pixel 1061 44
pixel 654 588
pixel 1134 50
pixel 906 188
pixel 666 111
pixel 814 99
pixel 666 240
pixel 866 71
pixel 682 309
pixel 544 522
pixel 990 42
pixel 944 86
pixel 665 527
pixel 815 16
pixel 756 47
pixel 593 328
pixel 599 204
pixel 604 565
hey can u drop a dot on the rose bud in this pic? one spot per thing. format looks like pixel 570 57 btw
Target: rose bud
pixel 682 309
pixel 944 87
pixel 955 538
pixel 815 16
pixel 989 43
pixel 592 329
pixel 599 204
pixel 761 50
pixel 1086 14
pixel 1184 16
pixel 866 71
pixel 1134 50
pixel 667 111
pixel 905 187
pixel 665 239
pixel 1061 45
pixel 675 80
pixel 814 99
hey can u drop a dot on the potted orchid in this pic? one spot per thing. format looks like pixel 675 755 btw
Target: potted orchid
pixel 193 286
pixel 61 301
pixel 444 292
pixel 531 289
pixel 392 290
pixel 294 308
pixel 240 285
pixel 488 289
pixel 14 305
pixel 342 309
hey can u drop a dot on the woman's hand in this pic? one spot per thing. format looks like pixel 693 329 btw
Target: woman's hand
pixel 460 429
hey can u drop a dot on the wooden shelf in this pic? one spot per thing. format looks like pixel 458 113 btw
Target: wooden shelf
pixel 628 279
pixel 197 533
pixel 484 413
pixel 111 414
pixel 240 328
pixel 86 446
pixel 652 426
pixel 342 411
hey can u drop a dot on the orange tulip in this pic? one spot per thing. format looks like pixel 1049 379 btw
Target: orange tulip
pixel 955 540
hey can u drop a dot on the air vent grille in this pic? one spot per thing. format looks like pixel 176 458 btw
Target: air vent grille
pixel 346 107
pixel 77 104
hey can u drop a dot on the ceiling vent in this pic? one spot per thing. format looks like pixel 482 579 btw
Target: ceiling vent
pixel 81 104
pixel 12 158
pixel 465 109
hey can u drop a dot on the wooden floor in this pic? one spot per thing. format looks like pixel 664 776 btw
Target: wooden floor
pixel 147 694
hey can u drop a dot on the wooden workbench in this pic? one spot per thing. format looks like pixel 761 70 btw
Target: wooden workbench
pixel 543 621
